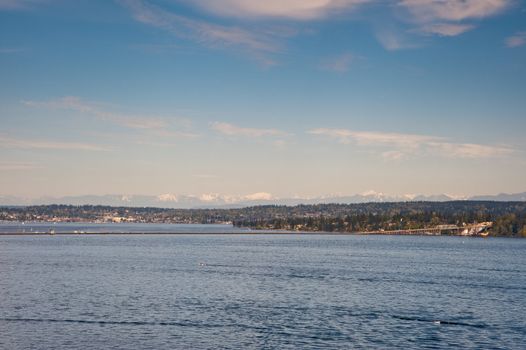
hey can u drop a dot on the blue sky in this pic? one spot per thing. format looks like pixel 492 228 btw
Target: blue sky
pixel 279 99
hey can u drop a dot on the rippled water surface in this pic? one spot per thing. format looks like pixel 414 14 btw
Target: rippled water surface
pixel 261 292
pixel 80 227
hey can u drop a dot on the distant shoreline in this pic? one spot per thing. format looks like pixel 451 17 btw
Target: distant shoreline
pixel 246 233
pixel 462 218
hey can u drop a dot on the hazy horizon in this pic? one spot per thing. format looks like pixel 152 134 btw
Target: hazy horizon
pixel 266 99
pixel 218 200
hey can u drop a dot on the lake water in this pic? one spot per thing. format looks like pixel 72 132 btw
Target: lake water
pixel 77 227
pixel 261 292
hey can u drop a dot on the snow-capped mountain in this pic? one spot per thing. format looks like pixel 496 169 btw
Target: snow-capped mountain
pixel 216 200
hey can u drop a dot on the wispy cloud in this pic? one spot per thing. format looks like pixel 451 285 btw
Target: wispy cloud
pixel 151 124
pixel 402 145
pixel 19 4
pixel 74 103
pixel 233 130
pixel 454 10
pixel 516 40
pixel 446 29
pixel 262 39
pixel 447 17
pixel 339 64
pixel 392 40
pixel 18 143
pixel 18 166
pixel 259 43
pixel 470 150
pixel 370 137
pixel 291 9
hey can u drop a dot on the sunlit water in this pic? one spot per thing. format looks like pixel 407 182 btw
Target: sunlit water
pixel 261 292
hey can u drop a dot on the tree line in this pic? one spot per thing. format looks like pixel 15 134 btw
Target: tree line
pixel 509 218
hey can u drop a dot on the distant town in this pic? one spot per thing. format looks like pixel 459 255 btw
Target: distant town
pixel 454 218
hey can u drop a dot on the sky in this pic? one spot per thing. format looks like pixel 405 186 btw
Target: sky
pixel 262 99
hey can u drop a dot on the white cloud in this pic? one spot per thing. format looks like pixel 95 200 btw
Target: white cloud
pixel 371 137
pixel 8 142
pixel 292 9
pixel 446 29
pixel 339 64
pixel 233 130
pixel 454 10
pixel 446 17
pixel 470 150
pixel 516 40
pixel 261 40
pixel 402 145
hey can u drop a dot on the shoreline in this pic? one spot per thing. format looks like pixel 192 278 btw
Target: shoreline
pixel 258 233
pixel 95 228
pixel 179 233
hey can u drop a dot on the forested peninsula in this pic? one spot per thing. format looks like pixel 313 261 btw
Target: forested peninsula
pixel 508 218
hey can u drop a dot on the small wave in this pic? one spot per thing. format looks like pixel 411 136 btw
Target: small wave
pixel 221 265
pixel 109 322
pixel 500 270
pixel 440 322
pixel 443 283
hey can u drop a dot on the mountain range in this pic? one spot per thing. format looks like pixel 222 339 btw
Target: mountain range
pixel 225 201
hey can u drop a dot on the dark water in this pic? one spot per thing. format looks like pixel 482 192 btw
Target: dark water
pixel 261 292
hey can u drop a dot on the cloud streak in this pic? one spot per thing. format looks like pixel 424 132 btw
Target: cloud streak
pixel 454 10
pixel 259 43
pixel 233 130
pixel 256 33
pixel 155 125
pixel 446 29
pixel 516 40
pixel 76 104
pixel 403 145
pixel 17 143
pixel 447 17
pixel 17 166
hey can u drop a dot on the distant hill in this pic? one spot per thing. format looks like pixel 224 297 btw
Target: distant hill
pixel 507 218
